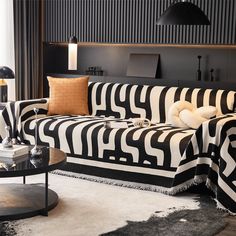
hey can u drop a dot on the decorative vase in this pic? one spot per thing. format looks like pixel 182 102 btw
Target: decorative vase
pixel 7 141
pixel 36 151
pixel 199 72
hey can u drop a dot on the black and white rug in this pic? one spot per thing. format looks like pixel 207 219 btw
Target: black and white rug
pixel 205 221
pixel 89 208
pixel 7 229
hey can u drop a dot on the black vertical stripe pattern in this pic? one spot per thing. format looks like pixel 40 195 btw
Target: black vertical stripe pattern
pixel 134 21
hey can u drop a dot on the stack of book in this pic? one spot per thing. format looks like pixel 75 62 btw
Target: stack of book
pixel 14 153
pixel 115 125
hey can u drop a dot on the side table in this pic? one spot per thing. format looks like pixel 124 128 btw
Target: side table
pixel 19 201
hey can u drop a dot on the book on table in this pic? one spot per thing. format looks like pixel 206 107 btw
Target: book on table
pixel 118 125
pixel 7 163
pixel 14 151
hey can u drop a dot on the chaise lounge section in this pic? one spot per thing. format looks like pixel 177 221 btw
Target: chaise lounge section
pixel 160 157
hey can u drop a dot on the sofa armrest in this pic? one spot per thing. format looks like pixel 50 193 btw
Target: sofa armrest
pixel 16 112
pixel 219 123
pixel 213 133
pixel 210 157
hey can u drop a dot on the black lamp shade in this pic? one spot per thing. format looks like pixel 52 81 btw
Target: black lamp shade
pixel 6 73
pixel 183 13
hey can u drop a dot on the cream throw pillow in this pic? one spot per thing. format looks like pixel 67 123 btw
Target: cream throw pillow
pixel 191 119
pixel 68 96
pixel 173 113
pixel 183 114
pixel 206 112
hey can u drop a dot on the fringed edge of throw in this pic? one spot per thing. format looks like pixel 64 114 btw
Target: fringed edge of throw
pixel 134 185
pixel 210 185
pixel 222 208
pixel 186 185
pixel 219 206
pixel 109 181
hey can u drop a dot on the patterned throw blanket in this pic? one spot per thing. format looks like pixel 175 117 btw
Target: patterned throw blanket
pixel 159 157
pixel 210 157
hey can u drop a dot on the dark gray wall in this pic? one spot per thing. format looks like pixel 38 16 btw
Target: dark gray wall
pixel 175 63
pixel 134 21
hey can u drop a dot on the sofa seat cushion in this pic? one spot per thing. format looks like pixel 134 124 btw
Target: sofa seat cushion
pixel 158 146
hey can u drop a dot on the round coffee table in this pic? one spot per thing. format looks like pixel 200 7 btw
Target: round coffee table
pixel 18 201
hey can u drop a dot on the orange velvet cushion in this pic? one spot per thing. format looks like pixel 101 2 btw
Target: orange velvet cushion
pixel 68 96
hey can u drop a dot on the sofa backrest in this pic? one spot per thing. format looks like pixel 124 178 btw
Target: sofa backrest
pixel 152 102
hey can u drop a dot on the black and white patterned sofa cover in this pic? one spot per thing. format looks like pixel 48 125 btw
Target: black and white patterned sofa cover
pixel 160 157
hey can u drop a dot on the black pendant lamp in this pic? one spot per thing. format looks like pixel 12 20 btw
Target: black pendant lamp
pixel 183 13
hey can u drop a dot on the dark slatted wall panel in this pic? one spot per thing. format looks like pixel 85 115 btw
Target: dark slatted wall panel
pixel 134 21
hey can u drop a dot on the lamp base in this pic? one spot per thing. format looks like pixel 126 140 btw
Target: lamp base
pixel 3 92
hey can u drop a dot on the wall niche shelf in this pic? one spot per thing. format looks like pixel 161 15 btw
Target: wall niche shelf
pixel 177 61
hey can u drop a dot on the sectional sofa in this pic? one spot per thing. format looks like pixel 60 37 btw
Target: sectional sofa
pixel 159 157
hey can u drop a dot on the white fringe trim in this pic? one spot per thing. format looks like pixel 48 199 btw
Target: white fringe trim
pixel 135 185
pixel 115 182
pixel 222 208
pixel 219 206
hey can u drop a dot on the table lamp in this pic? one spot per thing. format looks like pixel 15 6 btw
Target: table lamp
pixel 5 73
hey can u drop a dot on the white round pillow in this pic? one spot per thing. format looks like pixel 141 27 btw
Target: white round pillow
pixel 191 119
pixel 207 111
pixel 173 113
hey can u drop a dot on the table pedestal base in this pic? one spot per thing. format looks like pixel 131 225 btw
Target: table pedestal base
pixel 19 201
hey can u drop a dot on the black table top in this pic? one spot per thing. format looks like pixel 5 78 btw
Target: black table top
pixel 50 159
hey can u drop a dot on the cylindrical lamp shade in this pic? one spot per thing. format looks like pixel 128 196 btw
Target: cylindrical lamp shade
pixel 3 90
pixel 72 54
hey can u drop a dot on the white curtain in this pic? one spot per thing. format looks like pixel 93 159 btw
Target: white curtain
pixel 7 52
